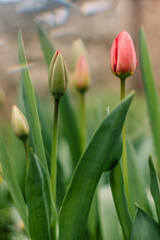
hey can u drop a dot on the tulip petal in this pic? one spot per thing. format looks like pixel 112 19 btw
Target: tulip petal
pixel 126 56
pixel 113 57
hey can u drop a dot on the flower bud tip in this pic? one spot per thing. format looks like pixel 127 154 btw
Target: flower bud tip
pixel 19 124
pixel 58 76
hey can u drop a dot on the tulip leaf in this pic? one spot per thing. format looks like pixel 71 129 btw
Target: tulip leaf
pixel 12 182
pixel 120 201
pixel 70 129
pixel 96 159
pixel 109 225
pixel 144 227
pixel 38 197
pixel 31 106
pixel 137 191
pixel 69 123
pixel 154 185
pixel 150 91
pixel 32 113
pixel 47 46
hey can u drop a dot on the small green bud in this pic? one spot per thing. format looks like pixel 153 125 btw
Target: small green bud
pixel 58 76
pixel 82 75
pixel 2 97
pixel 19 124
pixel 78 50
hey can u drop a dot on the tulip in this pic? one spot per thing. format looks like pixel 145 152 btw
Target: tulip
pixel 19 124
pixel 82 75
pixel 123 56
pixel 123 64
pixel 78 49
pixel 58 76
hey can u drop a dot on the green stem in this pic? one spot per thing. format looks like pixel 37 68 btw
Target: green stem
pixel 90 223
pixel 83 121
pixel 124 153
pixel 54 161
pixel 25 143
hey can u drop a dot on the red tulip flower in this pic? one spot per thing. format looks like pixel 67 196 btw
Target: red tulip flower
pixel 123 56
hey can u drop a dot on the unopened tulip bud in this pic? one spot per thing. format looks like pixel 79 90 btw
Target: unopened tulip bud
pixel 82 75
pixel 78 49
pixel 123 59
pixel 58 76
pixel 19 124
pixel 2 97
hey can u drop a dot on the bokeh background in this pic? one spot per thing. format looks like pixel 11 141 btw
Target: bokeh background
pixel 96 22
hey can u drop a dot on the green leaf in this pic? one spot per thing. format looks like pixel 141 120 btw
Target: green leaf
pixel 120 201
pixel 70 128
pixel 96 158
pixel 154 187
pixel 109 225
pixel 12 182
pixel 68 119
pixel 137 190
pixel 144 227
pixel 47 46
pixel 32 112
pixel 38 201
pixel 92 223
pixel 150 92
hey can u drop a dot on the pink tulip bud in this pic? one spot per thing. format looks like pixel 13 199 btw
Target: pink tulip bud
pixel 123 56
pixel 82 75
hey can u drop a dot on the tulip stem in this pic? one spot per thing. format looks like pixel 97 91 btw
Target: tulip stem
pixel 124 153
pixel 25 143
pixel 54 161
pixel 83 120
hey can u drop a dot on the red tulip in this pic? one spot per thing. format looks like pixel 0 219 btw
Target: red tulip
pixel 123 56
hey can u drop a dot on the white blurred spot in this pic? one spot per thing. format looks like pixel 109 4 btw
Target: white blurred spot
pixel 10 1
pixel 18 68
pixel 30 5
pixel 55 19
pixel 90 8
pixel 1 42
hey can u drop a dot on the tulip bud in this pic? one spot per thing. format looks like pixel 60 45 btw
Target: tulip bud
pixel 123 56
pixel 78 49
pixel 58 76
pixel 19 124
pixel 82 75
pixel 2 97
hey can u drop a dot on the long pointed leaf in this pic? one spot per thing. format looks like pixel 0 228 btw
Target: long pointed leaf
pixel 70 128
pixel 137 190
pixel 32 112
pixel 154 187
pixel 38 201
pixel 13 183
pixel 96 159
pixel 144 227
pixel 47 46
pixel 150 92
pixel 120 201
